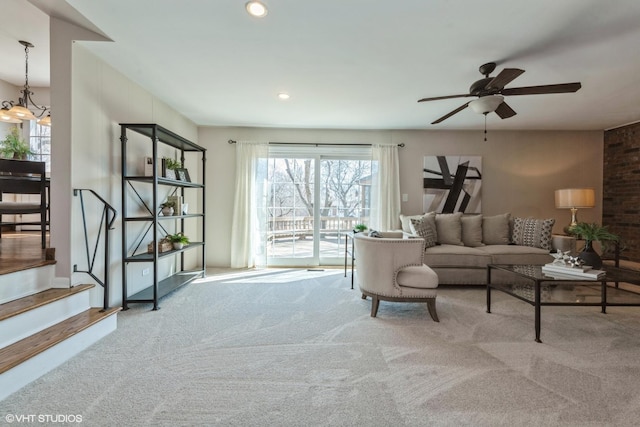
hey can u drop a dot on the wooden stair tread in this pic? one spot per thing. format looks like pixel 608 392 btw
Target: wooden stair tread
pixel 10 265
pixel 22 305
pixel 21 351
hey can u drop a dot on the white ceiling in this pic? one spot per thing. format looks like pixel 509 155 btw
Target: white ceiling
pixel 356 64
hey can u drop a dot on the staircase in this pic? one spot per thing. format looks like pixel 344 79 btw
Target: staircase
pixel 41 327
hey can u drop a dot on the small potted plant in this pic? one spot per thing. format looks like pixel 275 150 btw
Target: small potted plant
pixel 359 228
pixel 167 208
pixel 592 232
pixel 14 146
pixel 179 240
pixel 171 165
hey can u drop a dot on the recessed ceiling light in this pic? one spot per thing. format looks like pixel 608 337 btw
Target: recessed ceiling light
pixel 283 95
pixel 256 8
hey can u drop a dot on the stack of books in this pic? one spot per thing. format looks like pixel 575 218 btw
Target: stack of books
pixel 560 271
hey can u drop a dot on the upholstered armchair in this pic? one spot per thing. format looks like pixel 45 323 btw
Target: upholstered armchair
pixel 391 269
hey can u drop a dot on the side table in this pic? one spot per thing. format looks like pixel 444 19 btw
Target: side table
pixel 349 253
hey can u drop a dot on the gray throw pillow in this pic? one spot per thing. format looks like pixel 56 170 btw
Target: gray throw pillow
pixel 405 220
pixel 533 232
pixel 495 230
pixel 449 228
pixel 472 230
pixel 424 228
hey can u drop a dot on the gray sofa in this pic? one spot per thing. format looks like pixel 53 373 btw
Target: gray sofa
pixel 465 244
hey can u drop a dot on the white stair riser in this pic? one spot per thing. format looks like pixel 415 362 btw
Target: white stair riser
pixel 26 282
pixel 16 378
pixel 30 322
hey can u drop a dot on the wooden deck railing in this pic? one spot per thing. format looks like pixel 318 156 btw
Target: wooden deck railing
pixel 285 227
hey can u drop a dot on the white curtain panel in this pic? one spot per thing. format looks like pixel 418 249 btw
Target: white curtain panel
pixel 385 192
pixel 246 227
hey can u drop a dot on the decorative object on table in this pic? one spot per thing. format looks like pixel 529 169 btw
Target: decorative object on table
pixel 14 146
pixel 591 232
pixel 147 166
pixel 164 245
pixel 452 184
pixel 177 204
pixel 572 271
pixel 574 198
pixel 182 174
pixel 178 240
pixel 167 208
pixel 359 228
pixel 560 258
pixel 169 167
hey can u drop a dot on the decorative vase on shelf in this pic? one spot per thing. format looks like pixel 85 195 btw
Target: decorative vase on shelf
pixel 167 211
pixel 590 256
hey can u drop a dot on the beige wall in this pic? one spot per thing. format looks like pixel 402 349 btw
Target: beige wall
pixel 90 99
pixel 521 169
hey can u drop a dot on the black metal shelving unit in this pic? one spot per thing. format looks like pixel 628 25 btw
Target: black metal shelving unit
pixel 134 250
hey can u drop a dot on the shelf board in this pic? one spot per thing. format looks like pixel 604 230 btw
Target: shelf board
pixel 164 135
pixel 148 257
pixel 166 286
pixel 163 181
pixel 162 217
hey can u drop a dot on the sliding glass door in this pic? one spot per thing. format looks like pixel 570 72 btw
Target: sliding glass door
pixel 314 196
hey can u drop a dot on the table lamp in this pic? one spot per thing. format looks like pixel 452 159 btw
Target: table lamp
pixel 574 198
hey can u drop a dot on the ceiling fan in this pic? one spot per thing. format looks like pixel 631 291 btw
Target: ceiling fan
pixel 491 92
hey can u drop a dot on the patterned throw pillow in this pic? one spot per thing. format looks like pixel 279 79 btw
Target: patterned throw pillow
pixel 425 229
pixel 532 232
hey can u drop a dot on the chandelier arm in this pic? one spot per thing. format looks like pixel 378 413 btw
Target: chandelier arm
pixel 43 109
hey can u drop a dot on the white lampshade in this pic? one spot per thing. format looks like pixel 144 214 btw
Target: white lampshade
pixel 486 104
pixel 568 198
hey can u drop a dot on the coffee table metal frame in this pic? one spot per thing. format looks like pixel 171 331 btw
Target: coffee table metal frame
pixel 614 275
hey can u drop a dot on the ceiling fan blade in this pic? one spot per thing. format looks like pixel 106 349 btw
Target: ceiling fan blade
pixel 540 90
pixel 505 77
pixel 444 97
pixel 504 111
pixel 446 116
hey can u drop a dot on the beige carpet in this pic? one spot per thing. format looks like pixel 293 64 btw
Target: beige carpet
pixel 298 348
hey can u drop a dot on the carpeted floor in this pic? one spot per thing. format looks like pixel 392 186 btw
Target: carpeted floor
pixel 298 348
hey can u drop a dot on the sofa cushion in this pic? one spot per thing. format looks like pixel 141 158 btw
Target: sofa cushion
pixel 472 230
pixel 425 227
pixel 515 254
pixel 456 256
pixel 495 229
pixel 449 228
pixel 533 232
pixel 418 277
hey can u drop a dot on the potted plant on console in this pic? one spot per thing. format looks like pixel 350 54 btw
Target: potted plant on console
pixel 359 228
pixel 592 232
pixel 179 240
pixel 14 146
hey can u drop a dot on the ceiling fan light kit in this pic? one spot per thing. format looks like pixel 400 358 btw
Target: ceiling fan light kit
pixel 486 104
pixel 491 92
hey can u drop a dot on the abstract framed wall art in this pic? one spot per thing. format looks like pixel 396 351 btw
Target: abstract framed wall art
pixel 452 184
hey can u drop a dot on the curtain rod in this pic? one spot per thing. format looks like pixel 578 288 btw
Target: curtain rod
pixel 231 141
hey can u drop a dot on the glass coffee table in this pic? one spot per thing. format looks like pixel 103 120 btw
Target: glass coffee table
pixel 540 289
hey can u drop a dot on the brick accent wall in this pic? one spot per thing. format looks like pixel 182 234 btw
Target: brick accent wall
pixel 621 187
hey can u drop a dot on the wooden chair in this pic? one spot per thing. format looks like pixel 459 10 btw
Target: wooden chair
pixel 24 177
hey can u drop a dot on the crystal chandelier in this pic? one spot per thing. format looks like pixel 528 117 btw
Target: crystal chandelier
pixel 13 112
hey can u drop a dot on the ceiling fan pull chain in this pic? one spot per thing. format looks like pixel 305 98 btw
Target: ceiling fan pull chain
pixel 485 127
